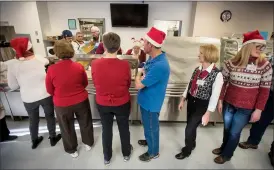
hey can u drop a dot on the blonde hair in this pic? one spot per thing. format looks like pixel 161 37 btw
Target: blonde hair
pixel 211 53
pixel 242 57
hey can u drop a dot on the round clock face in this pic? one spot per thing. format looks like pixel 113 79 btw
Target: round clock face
pixel 226 16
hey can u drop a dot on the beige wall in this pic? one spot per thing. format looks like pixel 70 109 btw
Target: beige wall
pixel 246 16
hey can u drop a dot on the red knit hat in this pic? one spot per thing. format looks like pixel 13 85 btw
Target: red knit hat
pixel 253 37
pixel 21 45
pixel 155 37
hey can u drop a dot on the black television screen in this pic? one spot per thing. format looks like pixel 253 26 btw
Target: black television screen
pixel 129 15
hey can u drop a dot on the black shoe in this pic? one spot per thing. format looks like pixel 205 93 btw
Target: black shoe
pixel 10 138
pixel 146 157
pixel 36 142
pixel 181 155
pixel 194 146
pixel 271 158
pixel 142 142
pixel 55 140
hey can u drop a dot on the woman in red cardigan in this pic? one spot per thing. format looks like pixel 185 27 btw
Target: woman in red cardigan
pixel 137 52
pixel 66 82
pixel 112 95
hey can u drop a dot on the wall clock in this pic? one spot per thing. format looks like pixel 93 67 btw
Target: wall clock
pixel 226 16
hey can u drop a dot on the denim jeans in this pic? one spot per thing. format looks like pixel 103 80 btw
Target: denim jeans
pixel 150 122
pixel 257 130
pixel 235 119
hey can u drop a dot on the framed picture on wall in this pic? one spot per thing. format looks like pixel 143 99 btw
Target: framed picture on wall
pixel 72 24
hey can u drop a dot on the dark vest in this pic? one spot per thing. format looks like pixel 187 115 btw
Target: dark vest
pixel 204 92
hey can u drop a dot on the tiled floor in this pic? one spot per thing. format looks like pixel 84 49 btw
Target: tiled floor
pixel 19 155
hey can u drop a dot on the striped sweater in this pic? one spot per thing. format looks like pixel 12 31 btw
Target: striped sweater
pixel 245 88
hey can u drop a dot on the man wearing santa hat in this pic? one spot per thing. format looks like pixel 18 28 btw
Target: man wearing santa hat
pixel 28 74
pixel 152 82
pixel 137 52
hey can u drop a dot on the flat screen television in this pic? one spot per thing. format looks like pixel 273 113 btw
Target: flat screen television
pixel 129 15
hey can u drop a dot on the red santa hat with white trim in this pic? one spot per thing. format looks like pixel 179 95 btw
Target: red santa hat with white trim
pixel 253 37
pixel 155 37
pixel 21 45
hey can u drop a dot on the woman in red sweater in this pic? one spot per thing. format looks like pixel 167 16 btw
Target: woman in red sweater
pixel 112 79
pixel 66 82
pixel 247 80
pixel 137 52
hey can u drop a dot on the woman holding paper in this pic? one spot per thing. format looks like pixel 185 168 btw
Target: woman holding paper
pixel 202 94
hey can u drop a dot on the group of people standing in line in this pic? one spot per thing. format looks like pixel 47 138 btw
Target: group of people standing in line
pixel 241 91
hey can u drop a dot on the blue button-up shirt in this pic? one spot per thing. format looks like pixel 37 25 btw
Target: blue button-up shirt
pixel 157 71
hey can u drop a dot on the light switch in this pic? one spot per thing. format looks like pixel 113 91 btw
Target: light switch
pixel 36 33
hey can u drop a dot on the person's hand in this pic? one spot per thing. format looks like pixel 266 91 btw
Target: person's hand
pixel 143 77
pixel 220 106
pixel 141 71
pixel 181 105
pixel 256 115
pixel 205 118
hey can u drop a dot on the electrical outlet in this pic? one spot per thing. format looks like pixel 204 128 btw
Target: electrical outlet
pixel 37 40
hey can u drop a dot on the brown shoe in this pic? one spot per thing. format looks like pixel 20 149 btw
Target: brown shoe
pixel 221 160
pixel 217 151
pixel 245 145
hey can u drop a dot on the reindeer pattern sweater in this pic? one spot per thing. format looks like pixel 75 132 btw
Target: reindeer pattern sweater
pixel 244 88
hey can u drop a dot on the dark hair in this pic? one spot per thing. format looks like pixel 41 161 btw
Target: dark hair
pixel 111 42
pixel 63 49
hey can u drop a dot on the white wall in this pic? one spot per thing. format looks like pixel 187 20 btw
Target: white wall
pixel 60 12
pixel 246 16
pixel 24 17
pixel 43 13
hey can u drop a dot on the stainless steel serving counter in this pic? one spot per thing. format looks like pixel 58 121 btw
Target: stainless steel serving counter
pixel 14 106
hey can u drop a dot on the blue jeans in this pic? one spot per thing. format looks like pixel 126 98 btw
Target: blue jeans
pixel 235 119
pixel 150 122
pixel 257 130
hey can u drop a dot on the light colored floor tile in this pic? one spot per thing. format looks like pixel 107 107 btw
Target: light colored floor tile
pixel 19 155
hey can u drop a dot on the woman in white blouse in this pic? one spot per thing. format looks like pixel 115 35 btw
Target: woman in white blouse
pixel 28 74
pixel 202 95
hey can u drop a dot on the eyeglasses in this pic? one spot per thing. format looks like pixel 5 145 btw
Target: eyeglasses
pixel 260 47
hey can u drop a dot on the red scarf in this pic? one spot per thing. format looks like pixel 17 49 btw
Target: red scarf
pixel 199 75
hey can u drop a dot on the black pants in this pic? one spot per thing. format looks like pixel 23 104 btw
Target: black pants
pixel 271 154
pixel 258 128
pixel 196 108
pixel 4 131
pixel 65 117
pixel 272 149
pixel 33 112
pixel 121 113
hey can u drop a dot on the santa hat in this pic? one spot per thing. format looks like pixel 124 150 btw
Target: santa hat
pixel 155 37
pixel 253 37
pixel 21 45
pixel 138 43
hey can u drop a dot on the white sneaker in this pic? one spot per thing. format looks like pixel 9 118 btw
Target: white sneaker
pixel 74 155
pixel 88 148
